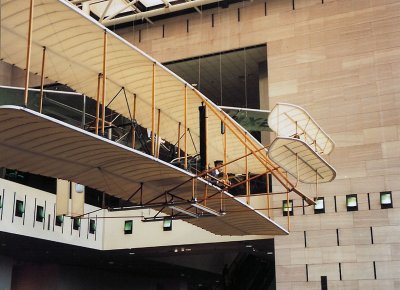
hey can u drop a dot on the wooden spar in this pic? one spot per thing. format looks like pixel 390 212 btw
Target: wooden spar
pixel 179 140
pixel 268 193
pixel 134 118
pixel 158 135
pixel 262 158
pixel 28 53
pixel 42 80
pixel 153 107
pixel 185 126
pixel 98 104
pixel 247 176
pixel 225 177
pixel 205 194
pixel 193 188
pixel 103 98
pixel 288 209
pixel 206 139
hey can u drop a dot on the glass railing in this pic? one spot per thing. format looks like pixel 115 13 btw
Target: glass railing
pixel 65 106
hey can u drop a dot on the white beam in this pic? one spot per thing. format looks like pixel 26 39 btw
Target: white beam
pixel 131 3
pixel 106 10
pixel 156 12
pixel 184 211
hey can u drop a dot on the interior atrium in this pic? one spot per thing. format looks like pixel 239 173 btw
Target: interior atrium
pixel 199 144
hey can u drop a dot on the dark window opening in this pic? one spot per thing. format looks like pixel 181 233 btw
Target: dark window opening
pixel 386 199
pixel 167 224
pixel 19 208
pixel 128 227
pixel 351 202
pixel 40 213
pixel 59 220
pixel 76 223
pixel 92 226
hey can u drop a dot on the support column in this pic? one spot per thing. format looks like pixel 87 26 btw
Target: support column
pixel 264 96
pixel 153 107
pixel 185 126
pixel 203 137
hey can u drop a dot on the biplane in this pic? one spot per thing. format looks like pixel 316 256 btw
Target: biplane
pixel 156 107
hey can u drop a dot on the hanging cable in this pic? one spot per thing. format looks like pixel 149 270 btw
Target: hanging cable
pixel 201 25
pixel 0 29
pixel 245 77
pixel 220 63
pixel 220 77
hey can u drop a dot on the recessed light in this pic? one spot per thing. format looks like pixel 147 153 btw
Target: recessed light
pixel 249 246
pixel 111 262
pixel 176 250
pixel 131 253
pixel 270 253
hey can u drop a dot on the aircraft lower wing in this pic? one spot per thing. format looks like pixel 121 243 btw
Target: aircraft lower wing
pixel 39 144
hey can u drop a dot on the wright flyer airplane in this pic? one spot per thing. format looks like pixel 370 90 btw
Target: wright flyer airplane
pixel 154 109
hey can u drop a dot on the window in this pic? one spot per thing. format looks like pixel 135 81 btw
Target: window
pixel 386 199
pixel 319 206
pixel 39 213
pixel 92 226
pixel 59 220
pixel 351 202
pixel 1 201
pixel 19 208
pixel 287 207
pixel 76 223
pixel 128 227
pixel 167 224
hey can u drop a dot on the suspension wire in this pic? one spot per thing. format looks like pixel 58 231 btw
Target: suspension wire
pixel 220 75
pixel 191 137
pixel 0 27
pixel 201 25
pixel 109 103
pixel 220 61
pixel 245 70
pixel 245 76
pixel 127 104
